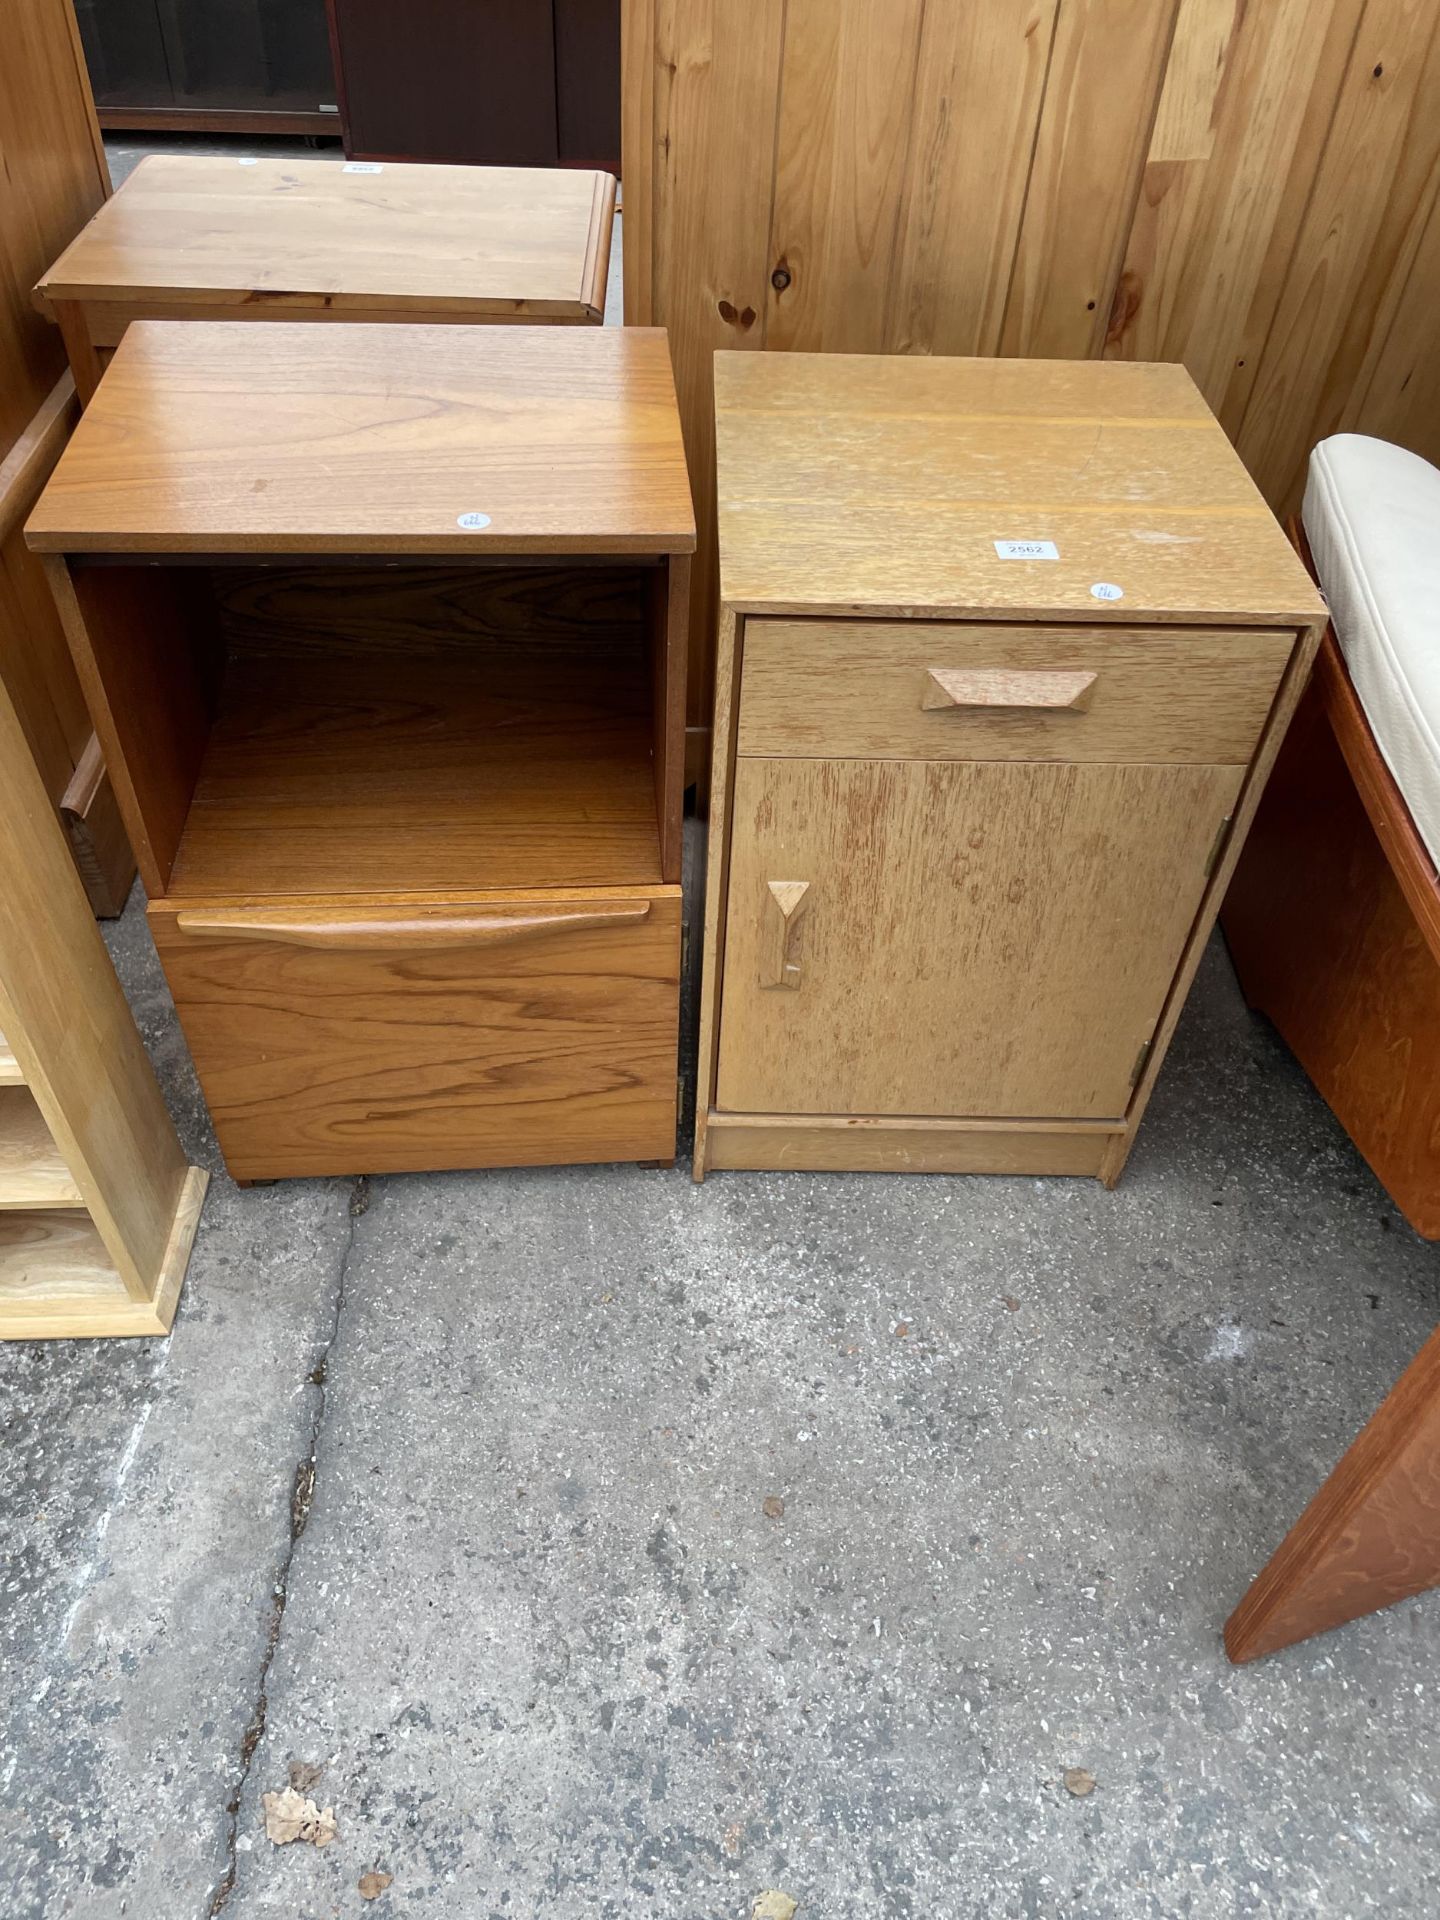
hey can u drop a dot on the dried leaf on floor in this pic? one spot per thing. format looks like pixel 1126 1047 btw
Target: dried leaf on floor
pixel 902 1331
pixel 1012 1305
pixel 774 1906
pixel 304 1774
pixel 1078 1782
pixel 373 1884
pixel 290 1816
pixel 774 1508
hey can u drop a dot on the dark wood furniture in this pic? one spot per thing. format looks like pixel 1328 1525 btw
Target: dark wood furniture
pixel 384 629
pixel 53 178
pixel 217 66
pixel 532 83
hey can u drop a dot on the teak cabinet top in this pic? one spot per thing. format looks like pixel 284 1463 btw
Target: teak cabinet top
pixel 858 483
pixel 478 242
pixel 236 439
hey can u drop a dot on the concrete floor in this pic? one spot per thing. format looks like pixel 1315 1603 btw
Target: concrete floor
pixel 454 1487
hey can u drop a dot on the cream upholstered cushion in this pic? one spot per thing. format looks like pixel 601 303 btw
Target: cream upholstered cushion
pixel 1372 514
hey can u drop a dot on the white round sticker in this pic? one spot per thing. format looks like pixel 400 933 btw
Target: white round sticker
pixel 1105 590
pixel 472 522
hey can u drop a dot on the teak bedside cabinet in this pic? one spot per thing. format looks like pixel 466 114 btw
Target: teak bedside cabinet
pixel 201 237
pixel 383 629
pixel 1006 651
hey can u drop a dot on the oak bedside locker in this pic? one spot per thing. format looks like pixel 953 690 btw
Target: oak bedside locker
pixel 383 630
pixel 1006 651
pixel 206 237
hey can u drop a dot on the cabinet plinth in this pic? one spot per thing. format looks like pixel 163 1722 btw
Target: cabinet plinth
pixel 383 630
pixel 1006 651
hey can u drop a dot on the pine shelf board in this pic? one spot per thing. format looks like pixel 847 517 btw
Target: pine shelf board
pixel 32 1173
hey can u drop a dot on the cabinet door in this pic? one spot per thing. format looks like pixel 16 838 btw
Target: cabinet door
pixel 954 938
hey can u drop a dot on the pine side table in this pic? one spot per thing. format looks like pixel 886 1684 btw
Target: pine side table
pixel 1007 649
pixel 383 631
pixel 201 237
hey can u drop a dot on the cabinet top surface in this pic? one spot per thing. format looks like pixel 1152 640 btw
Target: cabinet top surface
pixel 863 483
pixel 231 438
pixel 219 231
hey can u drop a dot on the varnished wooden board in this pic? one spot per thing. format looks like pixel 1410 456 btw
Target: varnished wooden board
pixel 859 689
pixel 231 439
pixel 212 231
pixel 381 1037
pixel 32 1171
pixel 994 939
pixel 57 1281
pixel 864 482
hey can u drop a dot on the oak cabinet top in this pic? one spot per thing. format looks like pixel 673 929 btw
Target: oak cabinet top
pixel 1061 490
pixel 294 438
pixel 205 231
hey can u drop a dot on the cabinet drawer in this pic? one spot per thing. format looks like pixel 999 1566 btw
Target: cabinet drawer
pixel 353 1036
pixel 912 690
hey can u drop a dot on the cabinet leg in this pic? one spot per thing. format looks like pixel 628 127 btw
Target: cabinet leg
pixel 1370 1537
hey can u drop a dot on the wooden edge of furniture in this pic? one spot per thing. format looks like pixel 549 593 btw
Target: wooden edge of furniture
pixel 1046 1147
pixel 1384 804
pixel 300 120
pixel 637 134
pixel 87 94
pixel 841 1144
pixel 89 1101
pixel 1371 1535
pixel 1282 712
pixel 595 277
pixel 88 808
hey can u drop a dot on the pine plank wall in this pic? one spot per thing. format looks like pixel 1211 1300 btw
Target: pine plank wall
pixel 1245 185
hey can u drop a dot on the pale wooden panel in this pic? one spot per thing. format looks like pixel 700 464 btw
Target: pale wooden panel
pixel 32 1173
pixel 11 1072
pixel 979 81
pixel 882 482
pixel 822 1144
pixel 1248 100
pixel 66 1019
pixel 1371 202
pixel 697 218
pixel 232 439
pixel 57 1281
pixel 855 689
pixel 1397 396
pixel 1104 75
pixel 847 104
pixel 523 241
pixel 942 897
pixel 351 1051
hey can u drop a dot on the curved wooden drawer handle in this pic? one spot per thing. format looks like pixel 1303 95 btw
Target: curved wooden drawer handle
pixel 1007 687
pixel 479 927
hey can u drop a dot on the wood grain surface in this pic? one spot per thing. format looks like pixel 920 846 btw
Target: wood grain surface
pixel 943 898
pixel 558 1045
pixel 230 439
pixel 1334 926
pixel 1370 1537
pixel 207 232
pixel 861 482
pixel 1248 188
pixel 865 1144
pixel 859 689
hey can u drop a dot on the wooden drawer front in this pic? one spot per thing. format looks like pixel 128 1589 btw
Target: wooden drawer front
pixel 929 939
pixel 354 1037
pixel 914 690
